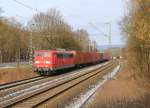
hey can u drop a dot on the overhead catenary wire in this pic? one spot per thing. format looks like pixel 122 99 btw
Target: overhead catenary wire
pixel 48 16
pixel 30 37
pixel 36 10
pixel 27 6
pixel 92 25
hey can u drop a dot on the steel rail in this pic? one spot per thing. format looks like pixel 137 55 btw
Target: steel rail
pixel 15 89
pixel 51 86
pixel 18 87
pixel 58 91
pixel 19 82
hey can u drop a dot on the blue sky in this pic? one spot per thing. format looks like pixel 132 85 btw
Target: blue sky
pixel 78 13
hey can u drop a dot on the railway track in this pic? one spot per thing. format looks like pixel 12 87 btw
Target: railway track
pixel 37 94
pixel 19 82
pixel 10 88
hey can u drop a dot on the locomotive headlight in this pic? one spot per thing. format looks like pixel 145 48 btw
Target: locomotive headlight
pixel 37 62
pixel 47 62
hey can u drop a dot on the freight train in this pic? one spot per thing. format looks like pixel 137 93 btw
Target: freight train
pixel 47 62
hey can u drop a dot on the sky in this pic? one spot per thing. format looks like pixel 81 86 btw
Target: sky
pixel 91 15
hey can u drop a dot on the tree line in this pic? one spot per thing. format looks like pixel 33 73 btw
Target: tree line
pixel 136 27
pixel 46 31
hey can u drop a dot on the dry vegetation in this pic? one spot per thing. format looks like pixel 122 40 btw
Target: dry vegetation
pixel 121 92
pixel 136 28
pixel 14 74
pixel 48 29
pixel 131 88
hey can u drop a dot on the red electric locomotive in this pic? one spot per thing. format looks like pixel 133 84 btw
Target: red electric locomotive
pixel 49 61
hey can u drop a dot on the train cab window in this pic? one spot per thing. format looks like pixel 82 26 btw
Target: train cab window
pixel 63 55
pixel 66 55
pixel 46 54
pixel 37 53
pixel 70 55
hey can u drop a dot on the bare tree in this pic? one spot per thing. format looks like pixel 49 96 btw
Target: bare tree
pixel 51 31
pixel 136 27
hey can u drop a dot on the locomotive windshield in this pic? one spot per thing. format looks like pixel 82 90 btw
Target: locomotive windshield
pixel 46 54
pixel 38 53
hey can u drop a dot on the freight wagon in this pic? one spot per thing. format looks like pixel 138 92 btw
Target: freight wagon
pixel 50 61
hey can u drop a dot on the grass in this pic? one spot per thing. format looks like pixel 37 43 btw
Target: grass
pixel 13 74
pixel 122 92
